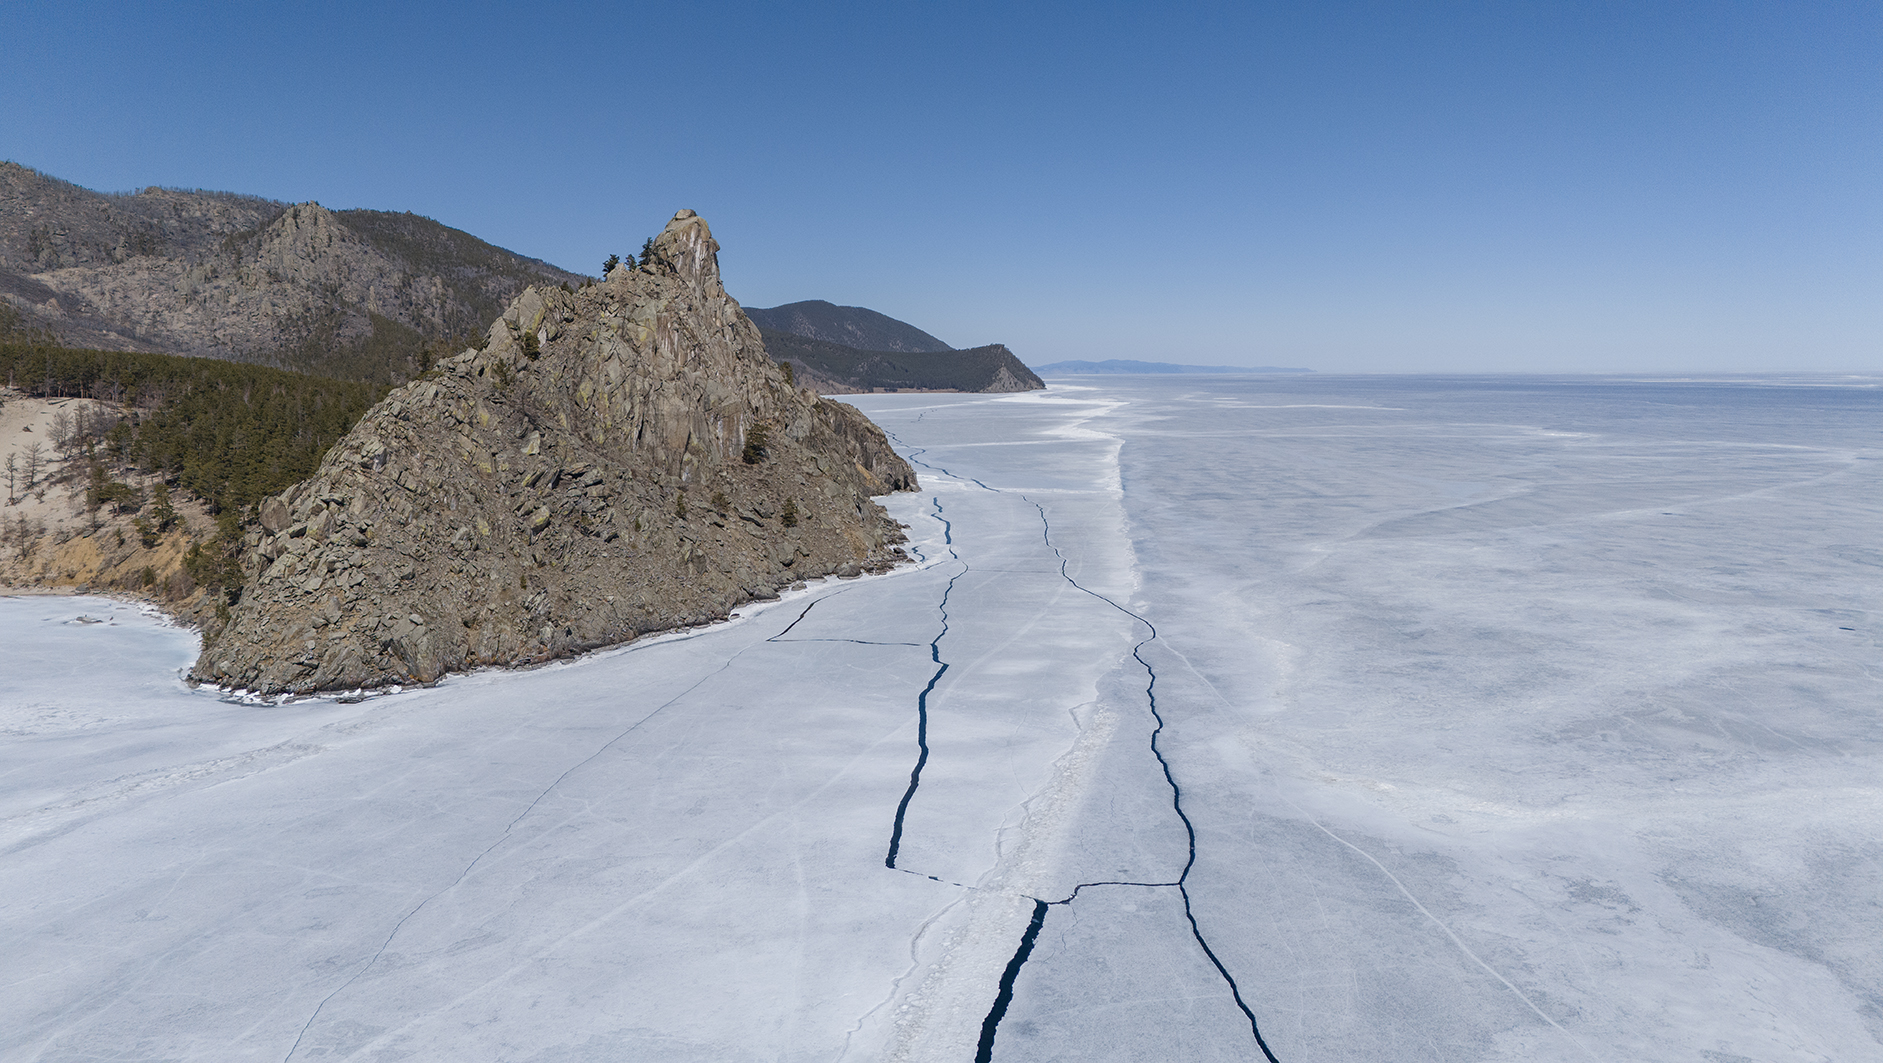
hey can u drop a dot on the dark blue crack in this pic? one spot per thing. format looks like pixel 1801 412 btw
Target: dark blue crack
pixel 856 642
pixel 1068 899
pixel 799 620
pixel 1074 895
pixel 938 878
pixel 921 701
pixel 914 454
pixel 1176 799
pixel 991 1024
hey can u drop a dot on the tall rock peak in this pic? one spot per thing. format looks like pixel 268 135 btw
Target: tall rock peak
pixel 687 246
pixel 614 461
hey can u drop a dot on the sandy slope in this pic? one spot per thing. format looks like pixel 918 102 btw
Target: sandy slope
pixel 50 541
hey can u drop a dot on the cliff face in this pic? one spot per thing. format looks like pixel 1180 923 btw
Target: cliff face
pixel 617 461
pixel 344 293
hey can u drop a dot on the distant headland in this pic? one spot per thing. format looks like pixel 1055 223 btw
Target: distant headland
pixel 1125 365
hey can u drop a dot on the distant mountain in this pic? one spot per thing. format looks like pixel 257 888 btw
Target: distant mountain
pixel 849 349
pixel 354 293
pixel 835 369
pixel 1120 365
pixel 848 326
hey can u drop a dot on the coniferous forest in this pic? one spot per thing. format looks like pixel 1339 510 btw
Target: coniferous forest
pixel 229 432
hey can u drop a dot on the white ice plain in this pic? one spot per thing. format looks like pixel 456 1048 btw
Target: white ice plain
pixel 1513 719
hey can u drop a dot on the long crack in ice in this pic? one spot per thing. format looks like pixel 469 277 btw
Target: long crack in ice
pixel 992 1023
pixel 921 701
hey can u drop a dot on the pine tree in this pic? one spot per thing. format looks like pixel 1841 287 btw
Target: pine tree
pixel 161 509
pixel 757 440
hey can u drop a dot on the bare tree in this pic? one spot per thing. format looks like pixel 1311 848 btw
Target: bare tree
pixel 95 421
pixel 32 454
pixel 63 433
pixel 25 536
pixel 13 464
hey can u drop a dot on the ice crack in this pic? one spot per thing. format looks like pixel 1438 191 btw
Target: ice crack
pixel 921 701
pixel 991 1024
pixel 1074 895
pixel 914 455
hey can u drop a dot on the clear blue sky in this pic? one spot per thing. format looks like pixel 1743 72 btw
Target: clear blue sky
pixel 1404 186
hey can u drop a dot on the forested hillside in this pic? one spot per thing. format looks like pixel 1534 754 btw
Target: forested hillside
pixel 836 369
pixel 228 432
pixel 848 326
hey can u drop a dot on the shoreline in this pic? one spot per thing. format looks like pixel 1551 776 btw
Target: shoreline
pixel 181 621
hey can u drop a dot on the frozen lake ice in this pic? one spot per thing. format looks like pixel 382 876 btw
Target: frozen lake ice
pixel 1392 718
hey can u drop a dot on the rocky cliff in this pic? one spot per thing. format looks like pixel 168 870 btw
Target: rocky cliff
pixel 353 293
pixel 614 461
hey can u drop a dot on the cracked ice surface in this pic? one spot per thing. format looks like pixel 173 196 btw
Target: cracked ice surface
pixel 1515 719
pixel 1519 719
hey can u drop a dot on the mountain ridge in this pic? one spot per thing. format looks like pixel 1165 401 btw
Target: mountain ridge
pixel 855 327
pixel 834 369
pixel 846 350
pixel 355 293
pixel 1126 365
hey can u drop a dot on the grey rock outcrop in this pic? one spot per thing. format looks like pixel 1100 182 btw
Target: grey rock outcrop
pixel 615 461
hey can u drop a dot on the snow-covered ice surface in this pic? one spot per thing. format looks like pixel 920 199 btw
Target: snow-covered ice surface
pixel 1501 719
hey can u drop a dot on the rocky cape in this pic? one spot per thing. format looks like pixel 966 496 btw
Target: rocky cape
pixel 846 350
pixel 834 369
pixel 855 327
pixel 615 461
pixel 1124 365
